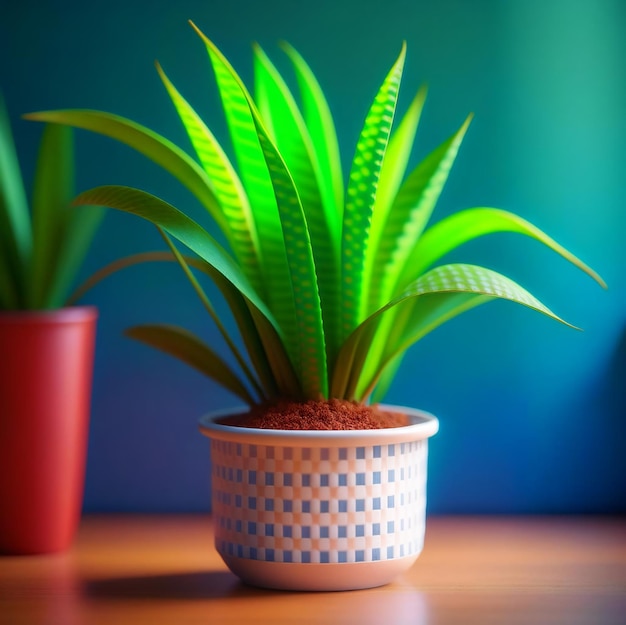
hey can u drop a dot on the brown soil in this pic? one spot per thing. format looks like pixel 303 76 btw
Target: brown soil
pixel 334 414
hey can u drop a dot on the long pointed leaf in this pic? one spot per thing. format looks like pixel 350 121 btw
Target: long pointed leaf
pixel 408 217
pixel 464 226
pixel 303 324
pixel 361 194
pixel 391 176
pixel 257 183
pixel 406 220
pixel 417 318
pixel 53 189
pixel 208 306
pixel 469 224
pixel 310 358
pixel 321 127
pixel 452 232
pixel 84 221
pixel 15 227
pixel 241 229
pixel 177 224
pixel 253 325
pixel 62 234
pixel 290 135
pixel 281 365
pixel 187 347
pixel 122 263
pixel 152 145
pixel 292 140
pixel 195 238
pixel 408 312
pixel 386 379
pixel 456 278
pixel 237 304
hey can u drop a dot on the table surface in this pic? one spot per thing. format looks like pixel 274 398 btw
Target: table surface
pixel 163 569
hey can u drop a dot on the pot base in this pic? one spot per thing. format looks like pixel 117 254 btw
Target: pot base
pixel 318 577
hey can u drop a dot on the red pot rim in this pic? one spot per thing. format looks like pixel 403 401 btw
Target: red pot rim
pixel 69 314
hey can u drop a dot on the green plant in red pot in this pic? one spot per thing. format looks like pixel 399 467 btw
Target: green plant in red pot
pixel 46 347
pixel 315 486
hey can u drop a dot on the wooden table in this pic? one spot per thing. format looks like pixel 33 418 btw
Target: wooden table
pixel 491 570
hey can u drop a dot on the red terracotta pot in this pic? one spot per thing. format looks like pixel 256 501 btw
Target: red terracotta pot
pixel 46 367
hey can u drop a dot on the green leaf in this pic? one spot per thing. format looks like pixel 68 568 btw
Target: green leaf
pixel 450 279
pixel 237 304
pixel 187 347
pixel 177 224
pixel 385 379
pixel 469 224
pixel 240 227
pixel 391 177
pixel 361 194
pixel 321 128
pixel 302 321
pixel 393 260
pixel 453 231
pixel 157 148
pixel 250 329
pixel 208 306
pixel 9 298
pixel 53 189
pixel 291 138
pixel 310 357
pixel 234 95
pixel 83 223
pixel 407 219
pixel 417 318
pixel 281 365
pixel 294 144
pixel 257 183
pixel 413 319
pixel 195 238
pixel 122 263
pixel 15 227
pixel 464 278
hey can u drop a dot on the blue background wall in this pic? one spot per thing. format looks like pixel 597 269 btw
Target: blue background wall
pixel 532 413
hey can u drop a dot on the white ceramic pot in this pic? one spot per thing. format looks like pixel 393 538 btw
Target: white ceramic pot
pixel 319 510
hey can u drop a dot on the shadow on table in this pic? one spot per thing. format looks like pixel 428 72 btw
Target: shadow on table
pixel 195 585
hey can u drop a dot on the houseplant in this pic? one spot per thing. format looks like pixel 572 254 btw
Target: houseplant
pixel 47 347
pixel 328 289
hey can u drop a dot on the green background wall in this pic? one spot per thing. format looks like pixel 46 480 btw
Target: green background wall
pixel 532 413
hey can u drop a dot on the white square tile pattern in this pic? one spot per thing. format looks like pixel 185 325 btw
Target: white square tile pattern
pixel 319 504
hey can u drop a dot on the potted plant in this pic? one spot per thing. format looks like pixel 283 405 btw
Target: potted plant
pixel 47 347
pixel 315 485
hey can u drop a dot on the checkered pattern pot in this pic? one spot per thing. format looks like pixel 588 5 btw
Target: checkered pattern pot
pixel 319 510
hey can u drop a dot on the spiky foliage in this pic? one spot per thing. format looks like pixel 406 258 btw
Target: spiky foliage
pixel 41 250
pixel 328 286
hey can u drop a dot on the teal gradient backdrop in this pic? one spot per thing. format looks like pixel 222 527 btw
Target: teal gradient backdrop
pixel 532 413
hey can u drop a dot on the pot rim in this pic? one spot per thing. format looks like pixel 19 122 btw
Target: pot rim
pixel 423 425
pixel 66 314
